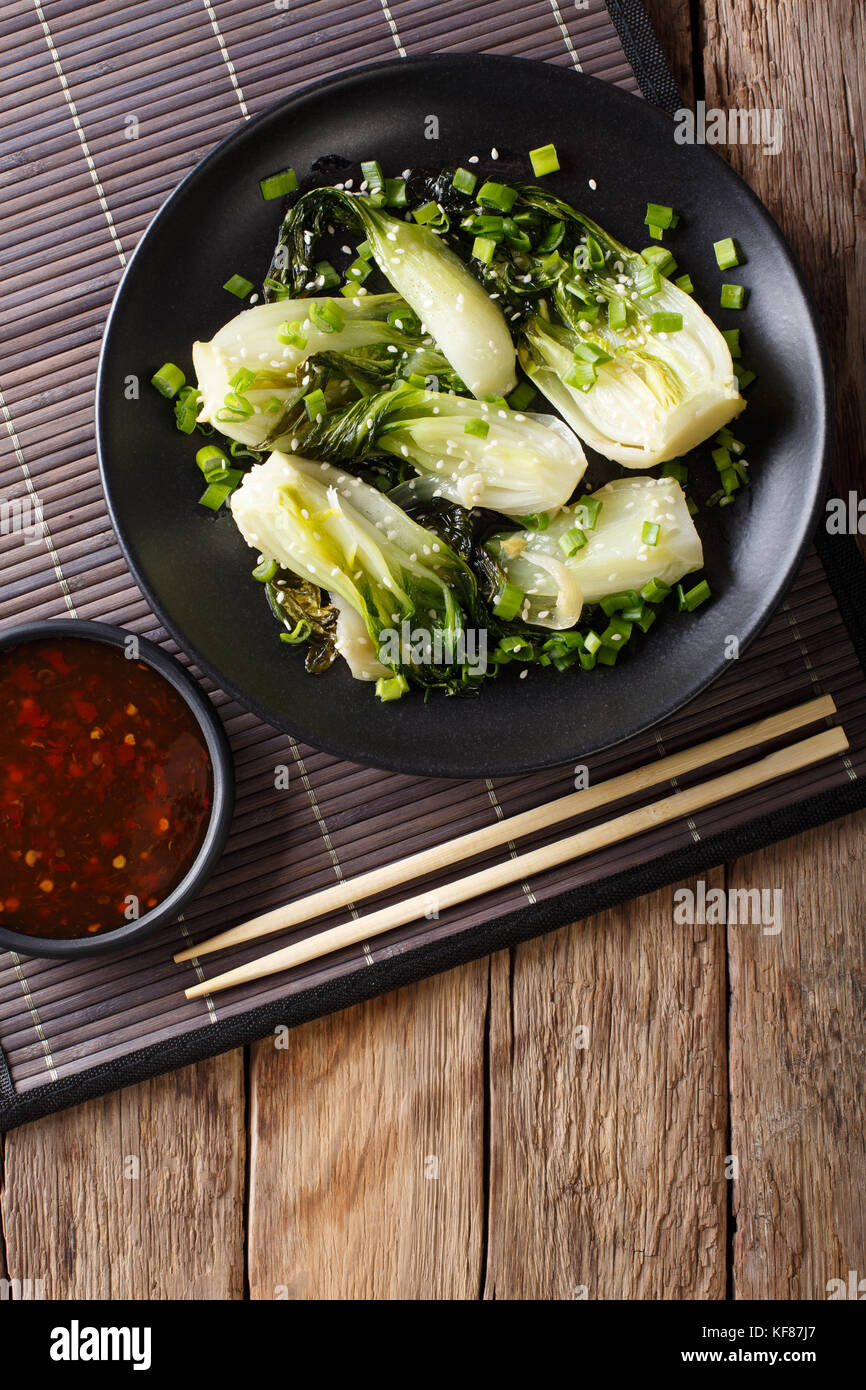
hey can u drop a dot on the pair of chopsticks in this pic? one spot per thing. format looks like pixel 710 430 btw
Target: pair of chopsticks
pixel 635 822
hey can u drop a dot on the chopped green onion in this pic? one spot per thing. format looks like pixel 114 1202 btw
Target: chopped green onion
pixel 744 376
pixel 358 271
pixel 326 275
pixel 211 461
pixel 551 239
pixel 727 253
pixel 655 591
pixel 591 642
pixel 215 494
pixel 238 286
pixel 483 249
pixel 372 172
pixel 650 533
pixel 509 602
pixel 299 633
pixel 721 458
pixel 696 596
pixel 725 438
pixel 616 633
pixel 730 480
pixel 544 160
pixel 685 284
pixel 365 251
pixel 733 296
pixel 272 405
pixel 292 336
pixel 648 282
pixel 186 407
pixel 572 541
pixel 615 603
pixel 732 338
pixel 675 468
pixel 395 193
pixel 595 252
pixel 497 195
pixel 587 660
pixel 617 313
pixel 521 396
pixel 265 571
pixel 607 655
pixel 315 404
pixel 464 181
pixel 582 375
pixel 655 232
pixel 666 323
pixel 586 510
pixel 391 687
pixel 481 428
pixel 646 619
pixel 536 521
pixel 242 379
pixel 590 352
pixel 658 215
pixel 660 257
pixel 429 212
pixel 277 184
pixel 168 380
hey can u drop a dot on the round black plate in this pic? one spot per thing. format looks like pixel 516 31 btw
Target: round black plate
pixel 194 568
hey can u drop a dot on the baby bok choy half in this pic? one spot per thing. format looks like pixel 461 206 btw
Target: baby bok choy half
pixel 467 325
pixel 413 595
pixel 630 534
pixel 476 453
pixel 249 373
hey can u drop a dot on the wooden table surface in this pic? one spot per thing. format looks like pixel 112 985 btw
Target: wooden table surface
pixel 625 1109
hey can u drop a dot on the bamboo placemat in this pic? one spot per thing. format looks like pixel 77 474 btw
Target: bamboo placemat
pixel 104 109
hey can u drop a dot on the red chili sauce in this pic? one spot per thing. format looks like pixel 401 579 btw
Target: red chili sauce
pixel 105 788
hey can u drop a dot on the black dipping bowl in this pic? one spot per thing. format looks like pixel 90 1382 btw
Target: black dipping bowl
pixel 78 948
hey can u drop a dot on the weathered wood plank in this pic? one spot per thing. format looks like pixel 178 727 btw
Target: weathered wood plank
pixel 367 1149
pixel 607 1159
pixel 798 1069
pixel 138 1195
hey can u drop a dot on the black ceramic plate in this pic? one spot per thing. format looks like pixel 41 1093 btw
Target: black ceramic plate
pixel 194 568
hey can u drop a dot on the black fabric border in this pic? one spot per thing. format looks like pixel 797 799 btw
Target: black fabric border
pixel 644 53
pixel 846 574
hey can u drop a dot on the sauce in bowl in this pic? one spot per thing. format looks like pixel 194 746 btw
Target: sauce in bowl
pixel 106 788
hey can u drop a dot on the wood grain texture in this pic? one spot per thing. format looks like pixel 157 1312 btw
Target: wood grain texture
pixel 139 1195
pixel 608 1146
pixel 798 1069
pixel 806 60
pixel 367 1149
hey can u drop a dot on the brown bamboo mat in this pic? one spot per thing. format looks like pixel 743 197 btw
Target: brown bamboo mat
pixel 104 109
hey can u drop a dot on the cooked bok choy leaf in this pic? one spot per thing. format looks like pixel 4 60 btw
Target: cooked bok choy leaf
pixel 632 362
pixel 248 372
pixel 611 556
pixel 465 322
pixel 415 596
pixel 472 452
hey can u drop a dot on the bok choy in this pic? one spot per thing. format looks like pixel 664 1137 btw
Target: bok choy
pixel 629 532
pixel 414 595
pixel 467 325
pixel 477 453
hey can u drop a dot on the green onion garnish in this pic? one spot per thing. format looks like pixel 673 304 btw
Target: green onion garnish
pixel 299 633
pixel 675 468
pixel 551 239
pixel 615 603
pixel 521 396
pixel 648 282
pixel 315 404
pixel 650 533
pixel 661 258
pixel 464 181
pixel 215 494
pixel 666 323
pixel 695 596
pixel 617 313
pixel 391 687
pixel 276 185
pixel 685 284
pixel 186 407
pixel 658 215
pixel 326 275
pixel 544 160
pixel 372 172
pixel 586 511
pixel 581 374
pixel 732 338
pixel 429 212
pixel 509 602
pixel 365 251
pixel 238 286
pixel 481 428
pixel 733 296
pixel 395 193
pixel 591 642
pixel 655 232
pixel 497 195
pixel 483 249
pixel 590 352
pixel 168 380
pixel 572 541
pixel 655 591
pixel 535 521
pixel 617 632
pixel 242 379
pixel 265 571
pixel 292 336
pixel 211 460
pixel 727 253
pixel 744 376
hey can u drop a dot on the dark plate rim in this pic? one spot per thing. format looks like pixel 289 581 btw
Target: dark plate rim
pixel 161 661
pixel 512 765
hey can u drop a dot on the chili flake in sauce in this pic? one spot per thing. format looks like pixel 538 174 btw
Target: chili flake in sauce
pixel 105 788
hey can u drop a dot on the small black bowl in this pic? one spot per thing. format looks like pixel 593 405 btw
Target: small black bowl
pixel 78 948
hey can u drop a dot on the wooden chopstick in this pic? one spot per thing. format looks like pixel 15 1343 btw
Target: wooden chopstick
pixel 415 866
pixel 636 822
